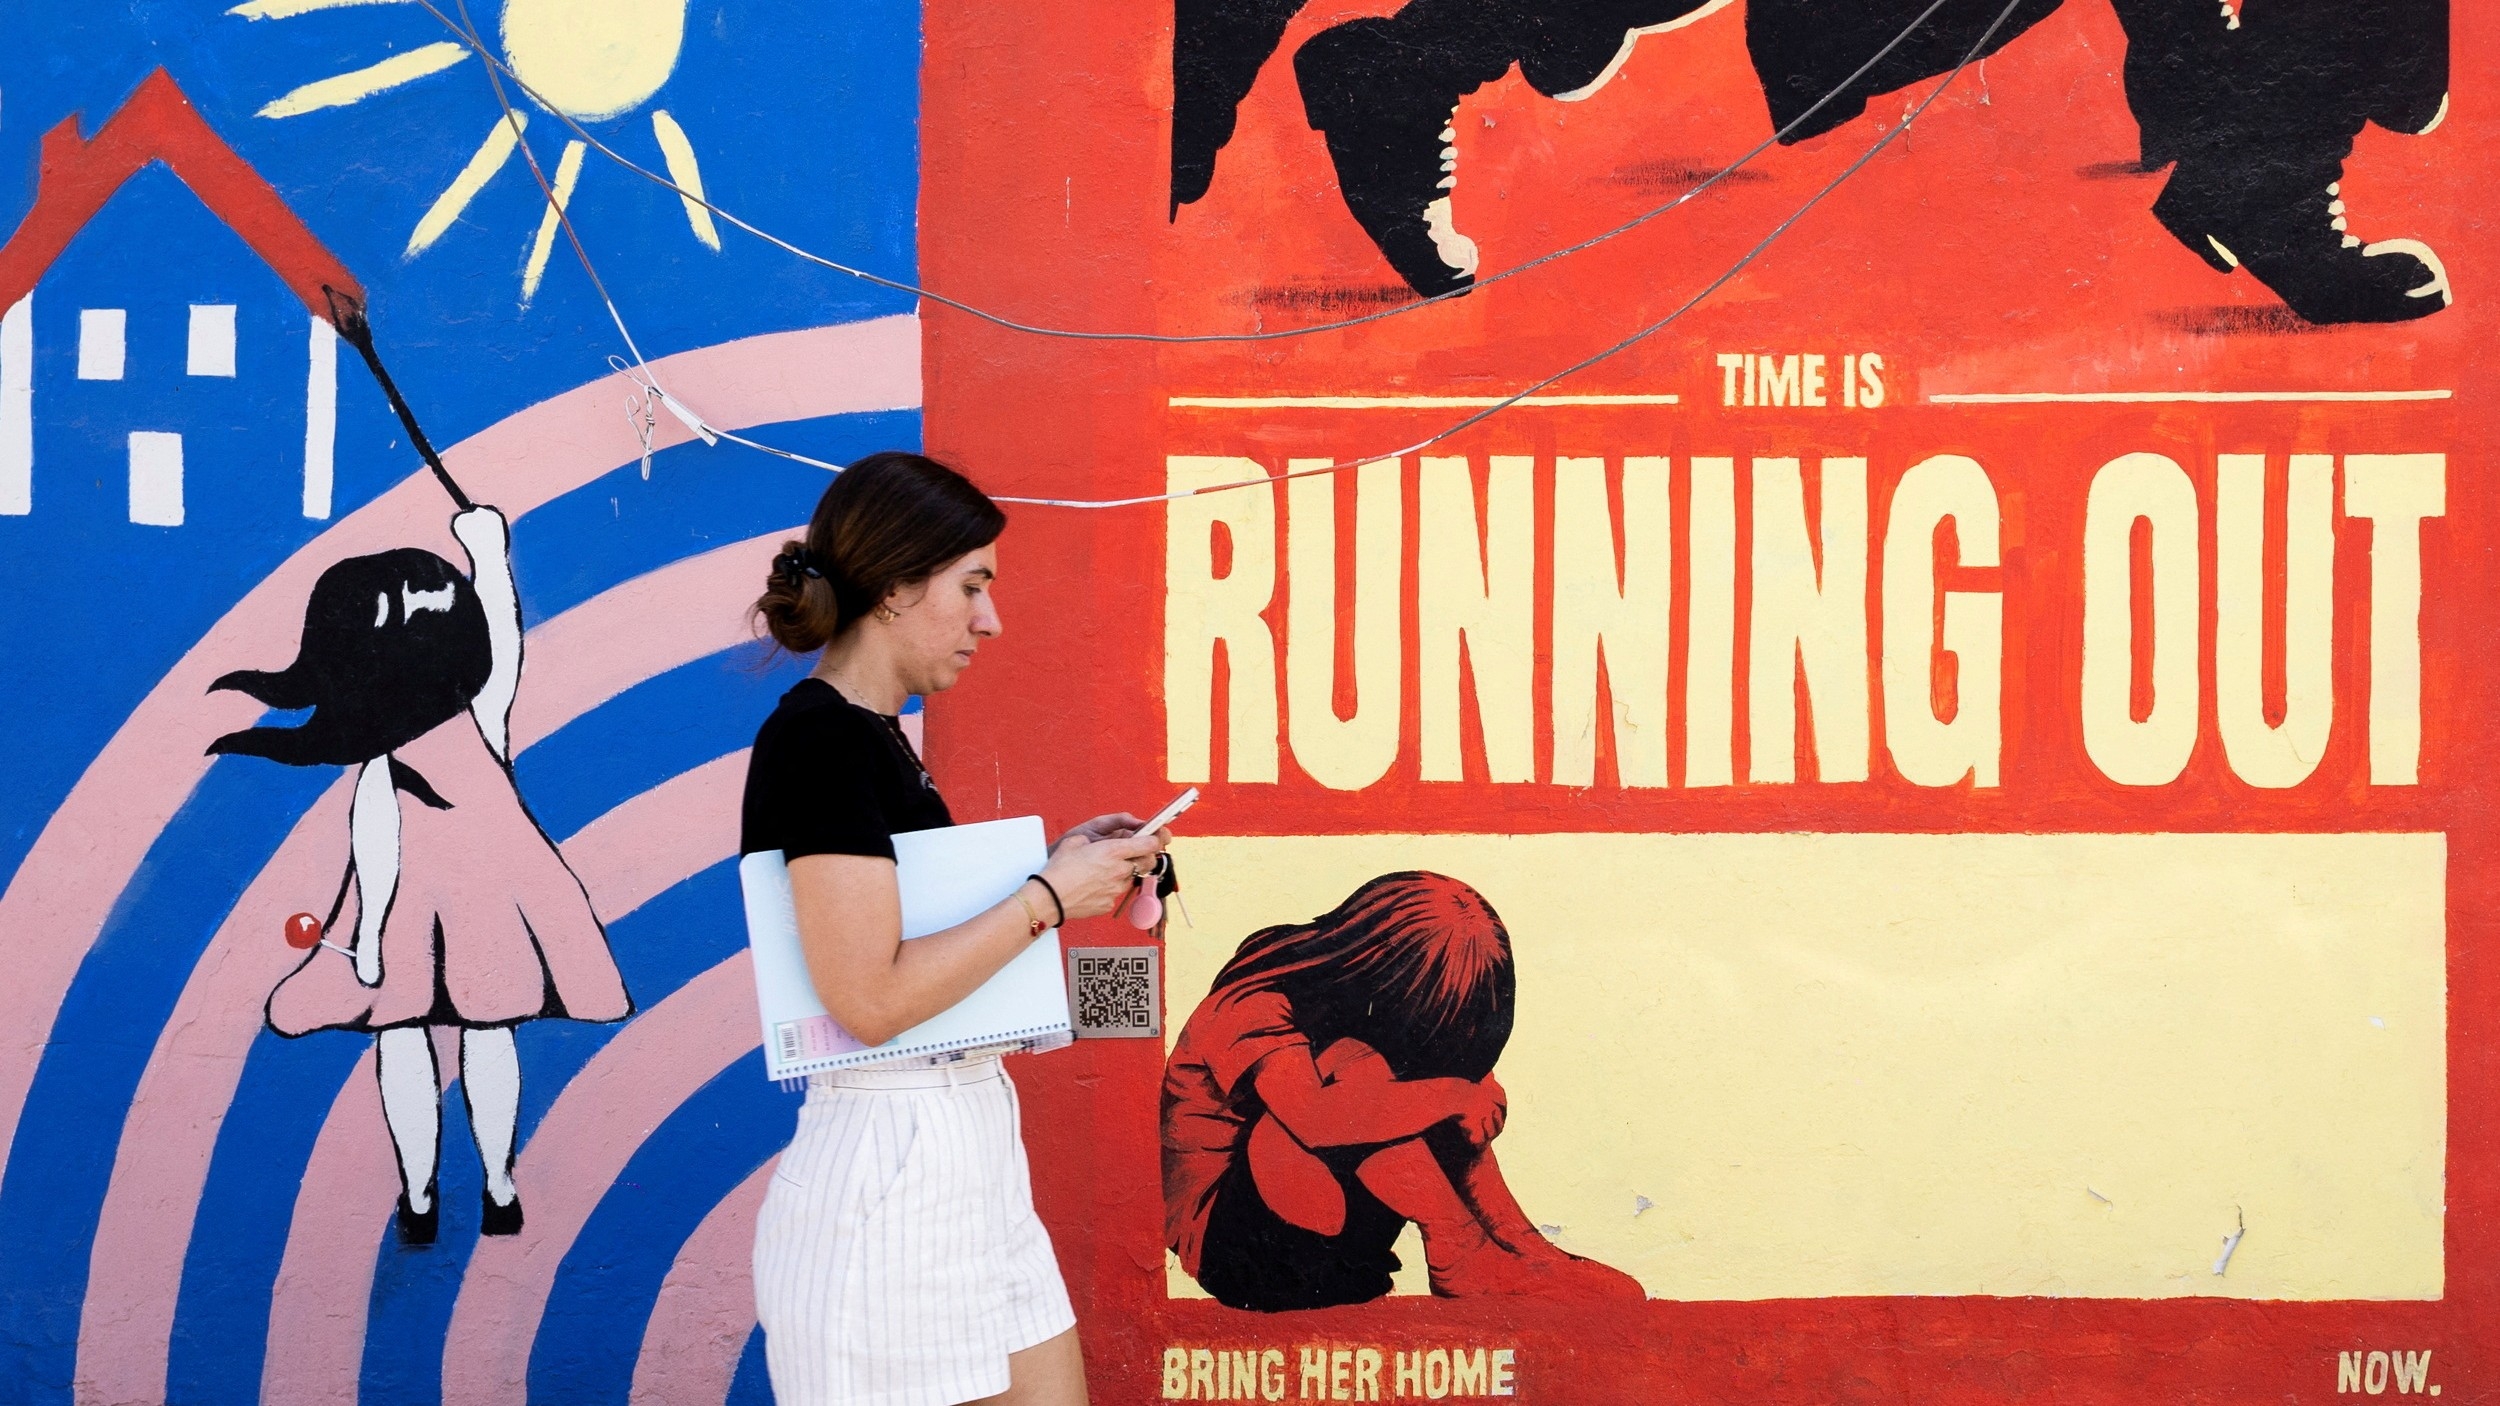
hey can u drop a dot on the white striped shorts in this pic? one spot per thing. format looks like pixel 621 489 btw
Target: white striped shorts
pixel 897 1257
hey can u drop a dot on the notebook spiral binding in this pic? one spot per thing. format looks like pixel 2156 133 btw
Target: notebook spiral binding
pixel 1035 1040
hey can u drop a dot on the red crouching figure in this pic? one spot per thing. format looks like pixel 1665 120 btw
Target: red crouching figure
pixel 1336 1084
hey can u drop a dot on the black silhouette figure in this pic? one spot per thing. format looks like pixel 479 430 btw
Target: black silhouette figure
pixel 2254 109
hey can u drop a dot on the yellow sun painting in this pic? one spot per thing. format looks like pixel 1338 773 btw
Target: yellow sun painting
pixel 590 60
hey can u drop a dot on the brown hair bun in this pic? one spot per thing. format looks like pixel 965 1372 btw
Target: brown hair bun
pixel 891 519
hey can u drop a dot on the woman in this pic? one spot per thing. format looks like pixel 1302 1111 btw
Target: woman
pixel 1337 1084
pixel 898 1261
pixel 462 917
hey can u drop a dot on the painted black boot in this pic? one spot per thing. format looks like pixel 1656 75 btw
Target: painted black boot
pixel 2283 220
pixel 1387 116
pixel 419 1227
pixel 499 1218
pixel 1218 48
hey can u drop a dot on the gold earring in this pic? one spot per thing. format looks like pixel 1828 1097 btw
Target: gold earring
pixel 886 614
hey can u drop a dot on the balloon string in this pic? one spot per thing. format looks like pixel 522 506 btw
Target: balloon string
pixel 349 317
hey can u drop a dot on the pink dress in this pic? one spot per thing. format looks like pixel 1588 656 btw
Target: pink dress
pixel 486 927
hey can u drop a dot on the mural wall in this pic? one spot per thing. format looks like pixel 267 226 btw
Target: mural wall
pixel 1836 660
pixel 375 994
pixel 1903 827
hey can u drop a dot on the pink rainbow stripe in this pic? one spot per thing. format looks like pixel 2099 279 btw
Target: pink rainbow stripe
pixel 95 841
pixel 654 841
pixel 626 857
pixel 635 631
pixel 597 1123
pixel 577 660
pixel 317 1338
pixel 705 1311
pixel 134 1269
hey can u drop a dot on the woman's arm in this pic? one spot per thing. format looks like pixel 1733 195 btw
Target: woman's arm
pixel 1353 1114
pixel 878 986
pixel 488 542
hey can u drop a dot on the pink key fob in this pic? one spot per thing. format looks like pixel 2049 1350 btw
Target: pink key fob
pixel 1145 907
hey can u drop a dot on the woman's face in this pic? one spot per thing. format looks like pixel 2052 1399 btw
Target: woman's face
pixel 939 623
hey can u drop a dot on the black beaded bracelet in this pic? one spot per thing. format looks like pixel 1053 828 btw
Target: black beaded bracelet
pixel 1054 898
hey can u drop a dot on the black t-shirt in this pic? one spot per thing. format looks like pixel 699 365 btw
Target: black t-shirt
pixel 830 777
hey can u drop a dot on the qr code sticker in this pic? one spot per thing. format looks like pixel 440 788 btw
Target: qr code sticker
pixel 1115 992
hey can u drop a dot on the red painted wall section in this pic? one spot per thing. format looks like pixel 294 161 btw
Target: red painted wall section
pixel 2004 246
pixel 79 174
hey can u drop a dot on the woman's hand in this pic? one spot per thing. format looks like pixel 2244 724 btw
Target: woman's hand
pixel 1091 876
pixel 483 532
pixel 1111 827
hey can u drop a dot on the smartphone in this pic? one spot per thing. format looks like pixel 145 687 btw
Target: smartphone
pixel 1170 813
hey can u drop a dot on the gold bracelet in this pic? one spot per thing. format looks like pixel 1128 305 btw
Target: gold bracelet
pixel 1032 920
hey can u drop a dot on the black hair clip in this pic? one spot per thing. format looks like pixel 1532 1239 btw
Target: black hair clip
pixel 797 565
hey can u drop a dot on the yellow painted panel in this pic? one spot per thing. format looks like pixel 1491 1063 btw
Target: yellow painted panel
pixel 1944 1064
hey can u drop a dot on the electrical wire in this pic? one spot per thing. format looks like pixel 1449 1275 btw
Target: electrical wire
pixel 496 66
pixel 642 374
pixel 1901 129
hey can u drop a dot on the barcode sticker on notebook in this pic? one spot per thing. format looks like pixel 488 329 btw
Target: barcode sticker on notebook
pixel 811 1038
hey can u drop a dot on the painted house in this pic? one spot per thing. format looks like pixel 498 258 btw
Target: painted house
pixel 164 341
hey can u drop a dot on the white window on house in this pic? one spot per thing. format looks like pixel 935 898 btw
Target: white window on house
pixel 100 343
pixel 212 340
pixel 155 478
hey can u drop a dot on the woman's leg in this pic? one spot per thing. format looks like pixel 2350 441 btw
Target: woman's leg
pixel 490 1078
pixel 412 1107
pixel 1304 1190
pixel 1463 1256
pixel 1050 1373
pixel 1253 1258
pixel 1477 1178
pixel 1477 1239
pixel 1301 1188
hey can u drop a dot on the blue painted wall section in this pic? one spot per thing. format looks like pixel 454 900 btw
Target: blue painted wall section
pixel 801 117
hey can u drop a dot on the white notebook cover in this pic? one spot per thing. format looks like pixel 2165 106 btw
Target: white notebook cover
pixel 946 876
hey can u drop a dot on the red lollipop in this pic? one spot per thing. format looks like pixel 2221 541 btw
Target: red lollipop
pixel 303 931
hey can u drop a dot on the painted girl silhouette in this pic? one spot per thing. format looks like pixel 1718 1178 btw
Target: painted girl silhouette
pixel 1336 1084
pixel 463 915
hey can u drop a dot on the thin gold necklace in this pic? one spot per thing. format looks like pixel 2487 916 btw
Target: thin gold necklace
pixel 894 733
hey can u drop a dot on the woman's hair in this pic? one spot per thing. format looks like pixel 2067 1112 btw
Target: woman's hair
pixel 1415 965
pixel 889 520
pixel 394 645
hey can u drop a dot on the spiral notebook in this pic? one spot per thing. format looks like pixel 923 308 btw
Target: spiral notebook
pixel 947 876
